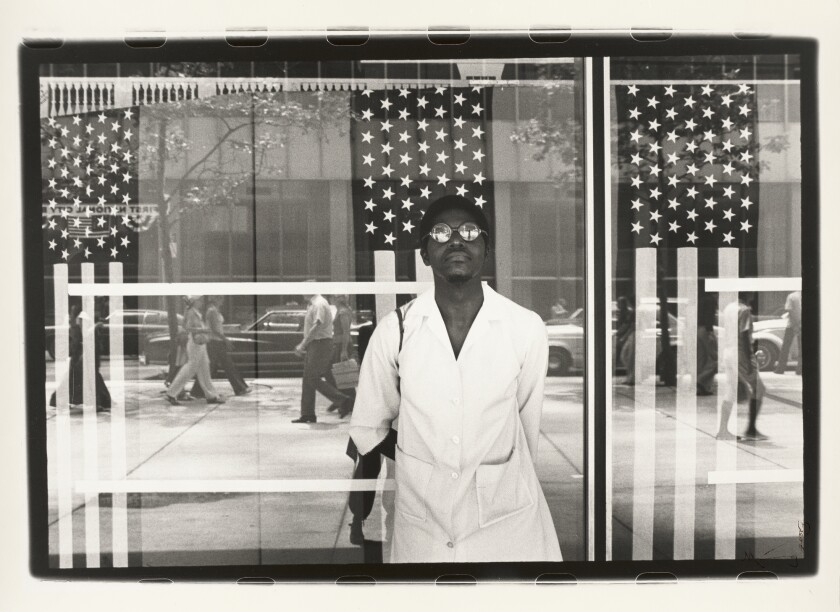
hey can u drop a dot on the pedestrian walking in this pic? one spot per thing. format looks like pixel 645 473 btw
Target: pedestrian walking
pixel 466 383
pixel 743 382
pixel 793 331
pixel 218 349
pixel 316 348
pixel 198 363
pixel 342 346
pixel 75 373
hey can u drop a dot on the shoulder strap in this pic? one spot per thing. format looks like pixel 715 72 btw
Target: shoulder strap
pixel 402 328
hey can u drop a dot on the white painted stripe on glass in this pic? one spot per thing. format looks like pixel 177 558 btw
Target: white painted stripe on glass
pixel 755 476
pixel 644 406
pixel 727 452
pixel 423 273
pixel 608 276
pixel 116 375
pixel 379 287
pixel 385 272
pixel 91 441
pixel 776 283
pixel 685 461
pixel 93 487
pixel 63 438
pixel 589 225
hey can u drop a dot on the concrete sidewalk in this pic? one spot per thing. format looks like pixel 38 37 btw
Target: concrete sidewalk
pixel 252 438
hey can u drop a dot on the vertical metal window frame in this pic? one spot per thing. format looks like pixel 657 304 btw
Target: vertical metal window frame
pixel 597 388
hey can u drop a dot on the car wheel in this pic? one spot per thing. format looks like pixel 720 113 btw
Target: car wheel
pixel 559 361
pixel 766 354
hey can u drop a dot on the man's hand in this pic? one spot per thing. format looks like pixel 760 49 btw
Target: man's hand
pixel 300 350
pixel 344 356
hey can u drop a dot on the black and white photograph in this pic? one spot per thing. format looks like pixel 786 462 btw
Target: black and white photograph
pixel 519 315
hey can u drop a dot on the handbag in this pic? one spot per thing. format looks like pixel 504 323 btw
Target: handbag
pixel 346 374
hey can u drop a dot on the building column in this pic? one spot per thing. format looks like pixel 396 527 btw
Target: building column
pixel 342 260
pixel 503 240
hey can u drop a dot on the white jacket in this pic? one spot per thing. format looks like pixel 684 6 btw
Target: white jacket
pixel 466 489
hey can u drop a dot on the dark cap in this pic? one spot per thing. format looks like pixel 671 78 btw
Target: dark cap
pixel 452 202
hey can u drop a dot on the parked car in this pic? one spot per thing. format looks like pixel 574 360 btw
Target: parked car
pixel 137 325
pixel 768 336
pixel 262 348
pixel 566 341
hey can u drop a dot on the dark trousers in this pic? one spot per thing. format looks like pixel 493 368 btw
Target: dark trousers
pixel 791 333
pixel 76 381
pixel 219 357
pixel 316 368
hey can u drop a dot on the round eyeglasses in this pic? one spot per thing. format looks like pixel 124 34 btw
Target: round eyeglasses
pixel 469 231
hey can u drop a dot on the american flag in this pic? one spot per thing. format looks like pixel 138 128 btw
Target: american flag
pixel 688 210
pixel 89 176
pixel 689 154
pixel 412 146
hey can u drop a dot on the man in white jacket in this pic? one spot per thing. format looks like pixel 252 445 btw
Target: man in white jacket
pixel 465 382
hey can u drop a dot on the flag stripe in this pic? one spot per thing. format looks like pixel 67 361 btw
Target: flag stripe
pixel 385 271
pixel 715 285
pixel 116 371
pixel 423 273
pixel 726 456
pixel 755 476
pixel 63 447
pixel 644 428
pixel 91 441
pixel 95 487
pixel 686 421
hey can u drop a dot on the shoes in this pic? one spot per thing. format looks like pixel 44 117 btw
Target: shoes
pixel 357 536
pixel 346 407
pixel 753 436
pixel 778 371
pixel 216 400
pixel 185 397
pixel 725 435
pixel 245 391
pixel 702 391
pixel 172 400
pixel 334 406
pixel 305 419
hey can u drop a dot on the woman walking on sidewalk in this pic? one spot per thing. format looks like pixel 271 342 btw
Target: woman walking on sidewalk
pixel 198 363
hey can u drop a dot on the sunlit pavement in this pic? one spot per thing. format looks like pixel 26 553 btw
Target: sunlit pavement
pixel 252 438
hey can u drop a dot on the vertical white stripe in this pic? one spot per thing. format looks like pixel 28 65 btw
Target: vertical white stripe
pixel 644 426
pixel 422 272
pixel 116 371
pixel 63 439
pixel 725 494
pixel 685 432
pixel 384 270
pixel 91 442
pixel 608 276
pixel 589 224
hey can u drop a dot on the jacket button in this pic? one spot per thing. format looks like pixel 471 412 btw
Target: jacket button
pixel 450 545
pixel 456 439
pixel 454 475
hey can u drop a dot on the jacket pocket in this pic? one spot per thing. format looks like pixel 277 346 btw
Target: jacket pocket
pixel 412 477
pixel 502 490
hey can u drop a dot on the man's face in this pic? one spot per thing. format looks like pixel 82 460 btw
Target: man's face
pixel 456 260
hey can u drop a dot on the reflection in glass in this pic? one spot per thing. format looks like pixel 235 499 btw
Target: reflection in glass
pixel 705 201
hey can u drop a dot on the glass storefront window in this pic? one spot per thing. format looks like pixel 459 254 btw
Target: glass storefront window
pixel 705 209
pixel 272 183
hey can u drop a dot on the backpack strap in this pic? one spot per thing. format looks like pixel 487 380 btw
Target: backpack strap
pixel 401 311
